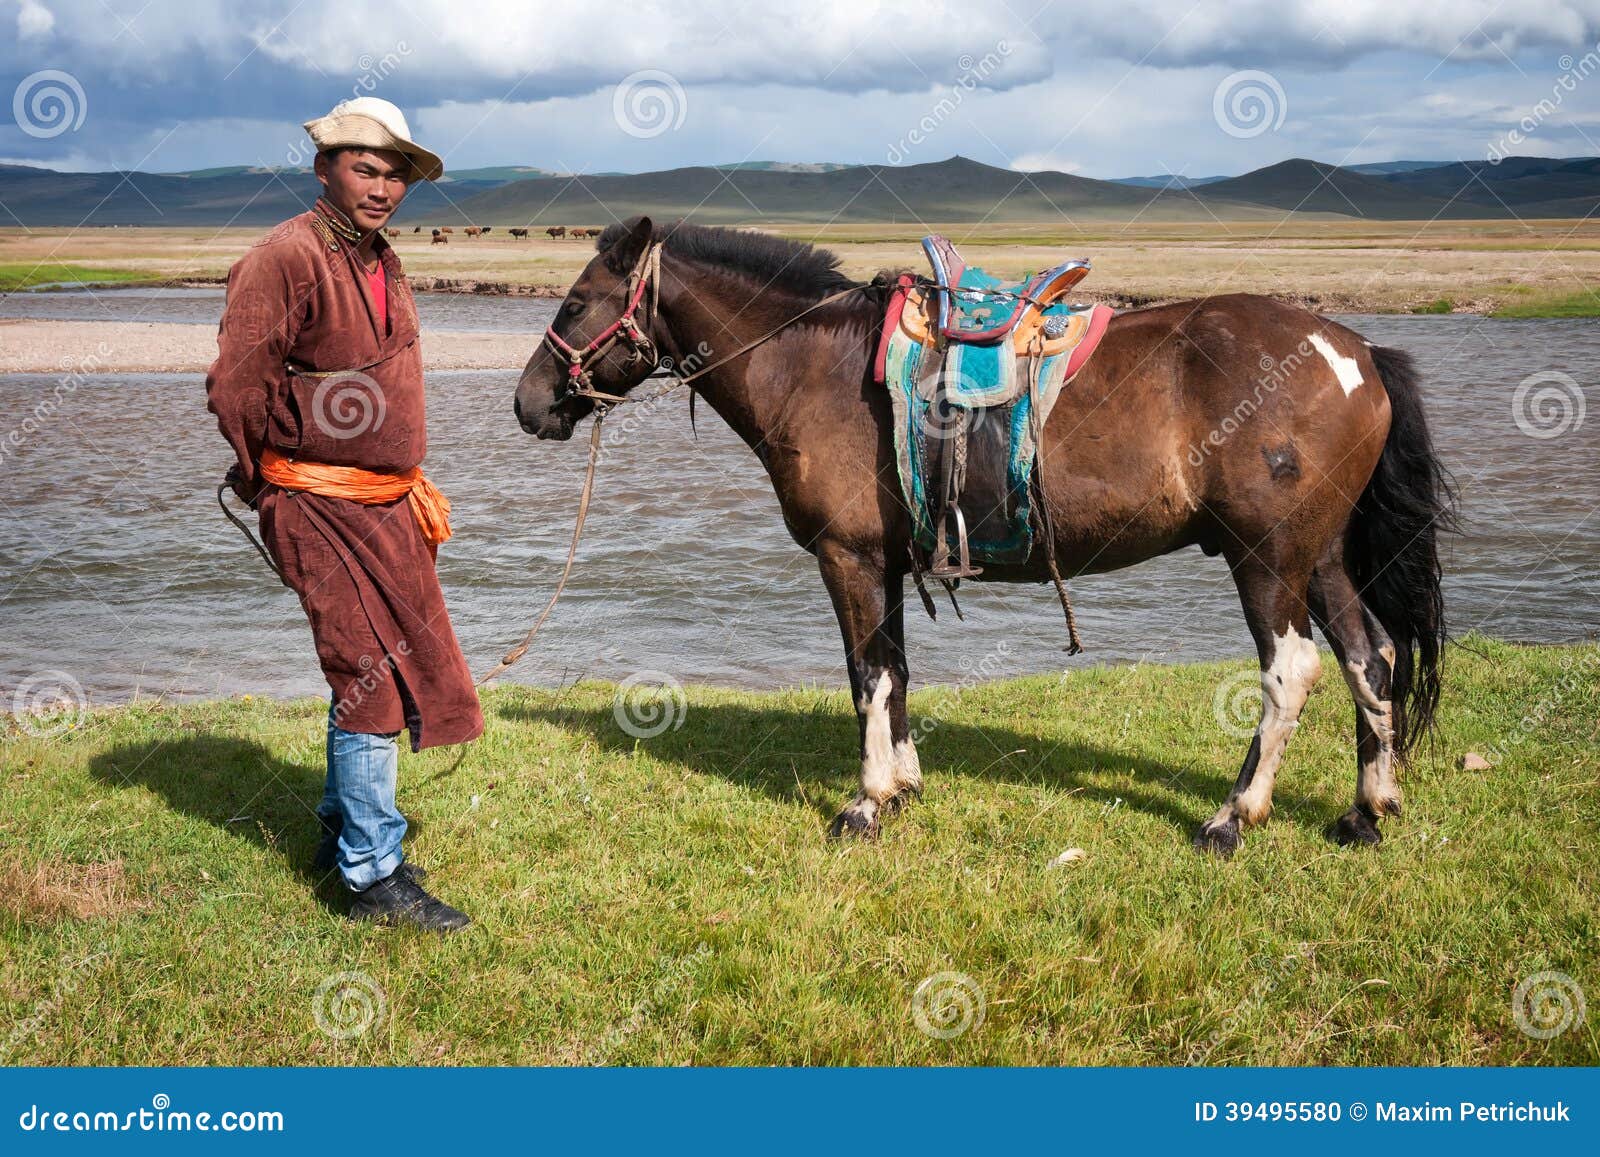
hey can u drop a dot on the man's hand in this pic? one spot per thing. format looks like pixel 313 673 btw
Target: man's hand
pixel 248 492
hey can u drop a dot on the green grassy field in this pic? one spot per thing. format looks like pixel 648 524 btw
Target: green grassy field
pixel 26 275
pixel 674 900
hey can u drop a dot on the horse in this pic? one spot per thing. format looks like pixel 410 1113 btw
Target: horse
pixel 1322 492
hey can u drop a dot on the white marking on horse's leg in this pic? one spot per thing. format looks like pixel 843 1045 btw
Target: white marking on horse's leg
pixel 1377 789
pixel 907 767
pixel 1285 685
pixel 1345 369
pixel 877 750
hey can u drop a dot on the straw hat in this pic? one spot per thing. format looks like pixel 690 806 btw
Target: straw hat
pixel 369 123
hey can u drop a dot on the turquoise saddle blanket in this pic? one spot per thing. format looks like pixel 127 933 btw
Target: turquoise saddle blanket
pixel 973 367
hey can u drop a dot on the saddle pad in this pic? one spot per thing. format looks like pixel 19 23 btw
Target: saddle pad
pixel 1006 397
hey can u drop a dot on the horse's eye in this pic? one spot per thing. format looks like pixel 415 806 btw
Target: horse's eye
pixel 574 308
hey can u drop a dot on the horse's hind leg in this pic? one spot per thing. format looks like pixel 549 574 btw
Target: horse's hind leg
pixel 870 606
pixel 1275 608
pixel 1366 655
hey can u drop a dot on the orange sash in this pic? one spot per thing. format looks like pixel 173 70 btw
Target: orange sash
pixel 431 508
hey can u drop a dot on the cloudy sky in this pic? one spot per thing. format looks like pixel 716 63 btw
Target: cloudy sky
pixel 1131 87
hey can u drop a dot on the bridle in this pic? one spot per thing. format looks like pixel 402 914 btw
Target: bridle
pixel 645 275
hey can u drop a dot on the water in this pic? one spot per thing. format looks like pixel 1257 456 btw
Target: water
pixel 117 568
pixel 482 313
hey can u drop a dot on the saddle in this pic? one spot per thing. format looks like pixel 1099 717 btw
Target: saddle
pixel 973 366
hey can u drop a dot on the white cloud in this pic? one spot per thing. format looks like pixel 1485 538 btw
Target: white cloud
pixel 34 20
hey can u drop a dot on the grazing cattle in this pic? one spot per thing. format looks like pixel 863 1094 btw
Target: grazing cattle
pixel 519 232
pixel 418 229
pixel 473 231
pixel 593 232
pixel 391 232
pixel 486 229
pixel 557 231
pixel 439 238
pixel 447 229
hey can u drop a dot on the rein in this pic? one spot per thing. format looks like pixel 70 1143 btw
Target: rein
pixel 646 273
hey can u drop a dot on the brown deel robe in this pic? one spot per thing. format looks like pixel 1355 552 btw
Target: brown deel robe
pixel 364 574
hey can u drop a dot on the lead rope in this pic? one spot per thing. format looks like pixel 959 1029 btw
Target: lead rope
pixel 521 648
pixel 245 530
pixel 516 653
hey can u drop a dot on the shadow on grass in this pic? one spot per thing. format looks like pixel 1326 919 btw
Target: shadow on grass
pixel 769 749
pixel 240 786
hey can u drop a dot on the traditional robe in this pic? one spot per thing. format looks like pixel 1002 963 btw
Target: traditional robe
pixel 299 305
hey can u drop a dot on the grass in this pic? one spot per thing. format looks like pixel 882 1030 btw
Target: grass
pixel 673 900
pixel 1437 305
pixel 1583 304
pixel 26 275
pixel 1333 265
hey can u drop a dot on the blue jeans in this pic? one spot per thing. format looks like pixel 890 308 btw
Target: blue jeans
pixel 362 770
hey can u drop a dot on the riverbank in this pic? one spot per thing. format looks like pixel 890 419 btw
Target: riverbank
pixel 1539 268
pixel 671 898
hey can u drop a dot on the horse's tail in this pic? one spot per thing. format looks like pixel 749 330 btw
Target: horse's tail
pixel 1393 552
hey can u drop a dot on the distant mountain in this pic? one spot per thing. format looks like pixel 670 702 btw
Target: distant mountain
pixel 947 191
pixel 1166 181
pixel 1383 168
pixel 787 166
pixel 1517 187
pixel 951 191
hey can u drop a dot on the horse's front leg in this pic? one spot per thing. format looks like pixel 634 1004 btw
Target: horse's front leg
pixel 870 606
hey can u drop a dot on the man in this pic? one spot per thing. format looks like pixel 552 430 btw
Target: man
pixel 318 386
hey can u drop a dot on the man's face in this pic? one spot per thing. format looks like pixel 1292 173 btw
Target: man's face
pixel 366 185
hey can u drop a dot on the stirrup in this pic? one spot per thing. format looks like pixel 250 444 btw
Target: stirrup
pixel 943 568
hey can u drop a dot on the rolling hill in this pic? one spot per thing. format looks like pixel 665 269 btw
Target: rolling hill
pixel 954 190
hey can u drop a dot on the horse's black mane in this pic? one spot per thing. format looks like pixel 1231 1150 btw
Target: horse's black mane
pixel 795 266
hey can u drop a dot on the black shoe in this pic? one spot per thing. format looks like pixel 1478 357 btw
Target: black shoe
pixel 327 858
pixel 399 899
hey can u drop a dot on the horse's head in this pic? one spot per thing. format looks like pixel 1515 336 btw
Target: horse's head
pixel 599 342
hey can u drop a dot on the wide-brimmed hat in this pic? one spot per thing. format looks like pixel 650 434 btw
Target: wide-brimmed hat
pixel 367 122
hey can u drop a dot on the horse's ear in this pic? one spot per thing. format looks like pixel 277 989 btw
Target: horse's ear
pixel 624 253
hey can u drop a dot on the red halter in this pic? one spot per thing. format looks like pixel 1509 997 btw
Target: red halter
pixel 645 274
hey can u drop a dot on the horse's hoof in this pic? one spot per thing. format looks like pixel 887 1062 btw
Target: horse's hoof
pixel 901 800
pixel 1356 827
pixel 854 823
pixel 1220 839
